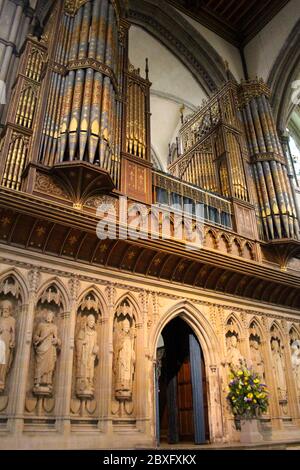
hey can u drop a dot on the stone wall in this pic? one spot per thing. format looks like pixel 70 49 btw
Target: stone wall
pixel 80 397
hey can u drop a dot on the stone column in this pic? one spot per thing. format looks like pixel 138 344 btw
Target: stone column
pixel 63 398
pixel 22 358
pixel 144 370
pixel 215 418
pixel 108 349
pixel 271 385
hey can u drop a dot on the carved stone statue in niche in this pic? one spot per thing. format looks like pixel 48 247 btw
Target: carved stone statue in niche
pixel 124 360
pixel 256 357
pixel 7 340
pixel 278 366
pixel 45 343
pixel 87 351
pixel 295 348
pixel 234 357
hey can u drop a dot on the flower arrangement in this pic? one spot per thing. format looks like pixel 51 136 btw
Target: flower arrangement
pixel 247 396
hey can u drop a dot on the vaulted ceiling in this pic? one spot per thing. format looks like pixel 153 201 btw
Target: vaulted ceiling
pixel 237 21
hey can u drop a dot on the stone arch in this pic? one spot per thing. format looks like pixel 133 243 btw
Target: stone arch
pixel 236 248
pixel 210 346
pixel 188 45
pixel 191 48
pixel 58 284
pixel 248 251
pixel 254 319
pixel 285 70
pixel 18 277
pixel 167 217
pixel 43 387
pixel 198 323
pixel 131 299
pixel 232 319
pixel 276 329
pixel 224 243
pixel 211 239
pixel 294 332
pixel 97 293
pixel 86 366
pixel 13 296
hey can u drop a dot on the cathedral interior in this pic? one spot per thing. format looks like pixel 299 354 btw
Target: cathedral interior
pixel 149 220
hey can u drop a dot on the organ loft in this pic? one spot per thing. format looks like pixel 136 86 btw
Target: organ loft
pixel 122 338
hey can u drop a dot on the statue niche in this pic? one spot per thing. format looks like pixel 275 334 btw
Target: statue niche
pixel 124 352
pixel 257 360
pixel 295 357
pixel 10 302
pixel 234 358
pixel 46 346
pixel 279 368
pixel 7 340
pixel 86 347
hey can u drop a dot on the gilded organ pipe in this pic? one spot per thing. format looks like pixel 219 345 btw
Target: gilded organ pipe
pixel 276 196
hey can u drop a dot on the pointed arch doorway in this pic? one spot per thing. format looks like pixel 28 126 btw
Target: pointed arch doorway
pixel 181 391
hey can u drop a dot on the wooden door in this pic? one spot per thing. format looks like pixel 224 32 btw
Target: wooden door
pixel 185 402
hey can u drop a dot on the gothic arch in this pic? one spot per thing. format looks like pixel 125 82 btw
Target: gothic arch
pixel 258 325
pixel 131 299
pixel 285 70
pixel 236 322
pixel 294 328
pixel 188 45
pixel 56 282
pixel 275 326
pixel 198 323
pixel 93 289
pixel 18 277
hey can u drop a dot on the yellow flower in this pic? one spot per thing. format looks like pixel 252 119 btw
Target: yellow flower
pixel 254 401
pixel 250 395
pixel 256 381
pixel 240 372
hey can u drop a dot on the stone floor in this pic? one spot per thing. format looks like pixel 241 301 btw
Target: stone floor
pixel 275 445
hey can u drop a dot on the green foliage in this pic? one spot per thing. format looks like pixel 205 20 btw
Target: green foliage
pixel 248 396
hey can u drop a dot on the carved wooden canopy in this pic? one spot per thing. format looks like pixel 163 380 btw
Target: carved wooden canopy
pixel 29 222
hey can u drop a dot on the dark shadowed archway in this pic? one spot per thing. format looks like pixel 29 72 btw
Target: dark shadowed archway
pixel 182 412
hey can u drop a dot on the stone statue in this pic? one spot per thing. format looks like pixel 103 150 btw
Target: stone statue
pixel 87 351
pixel 124 362
pixel 295 347
pixel 45 343
pixel 234 358
pixel 257 358
pixel 278 366
pixel 7 340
